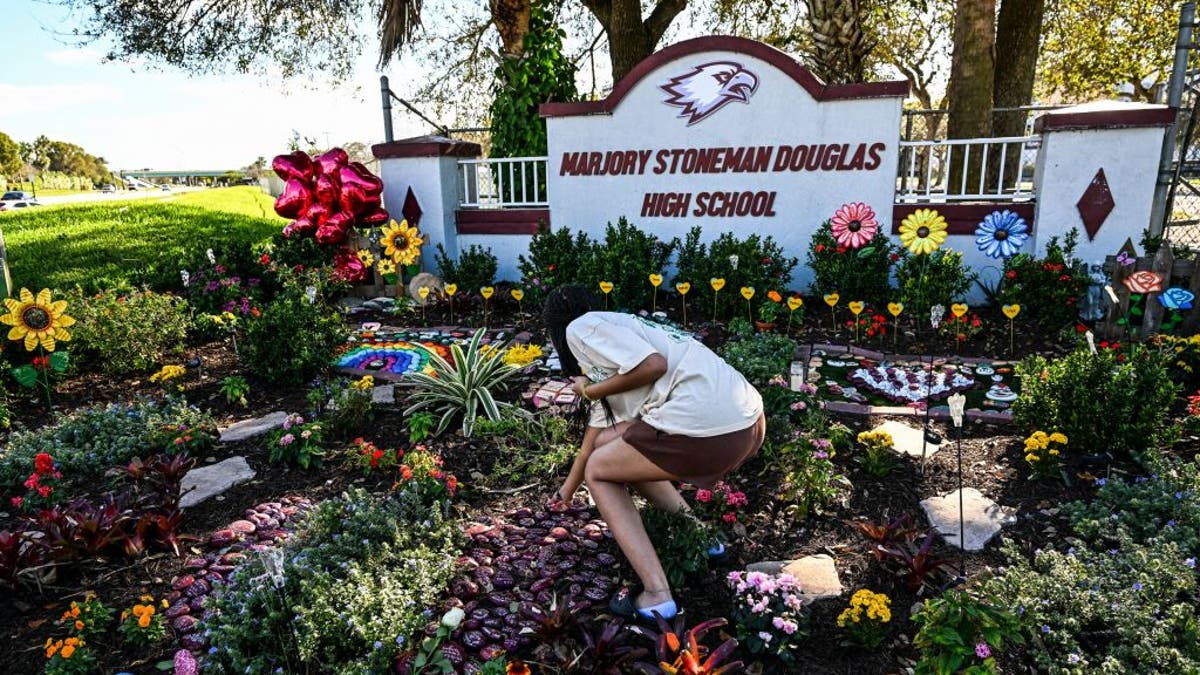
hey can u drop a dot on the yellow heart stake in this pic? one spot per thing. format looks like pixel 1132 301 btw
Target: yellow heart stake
pixel 1011 311
pixel 958 309
pixel 423 292
pixel 487 292
pixel 518 294
pixel 794 303
pixel 857 307
pixel 606 287
pixel 832 299
pixel 717 284
pixel 451 289
pixel 747 292
pixel 656 280
pixel 683 287
pixel 895 308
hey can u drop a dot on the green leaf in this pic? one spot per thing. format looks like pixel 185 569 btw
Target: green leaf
pixel 865 251
pixel 165 665
pixel 59 361
pixel 26 376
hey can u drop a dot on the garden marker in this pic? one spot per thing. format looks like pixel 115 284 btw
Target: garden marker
pixel 519 295
pixel 683 287
pixel 606 288
pixel 424 293
pixel 793 304
pixel 717 285
pixel 450 290
pixel 832 301
pixel 747 293
pixel 1011 311
pixel 486 292
pixel 958 310
pixel 655 281
pixel 856 308
pixel 895 308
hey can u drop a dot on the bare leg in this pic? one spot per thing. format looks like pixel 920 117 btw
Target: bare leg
pixel 663 495
pixel 609 469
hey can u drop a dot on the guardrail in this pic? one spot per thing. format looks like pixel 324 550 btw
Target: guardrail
pixel 967 169
pixel 516 182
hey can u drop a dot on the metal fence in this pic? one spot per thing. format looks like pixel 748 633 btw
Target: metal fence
pixel 517 182
pixel 968 169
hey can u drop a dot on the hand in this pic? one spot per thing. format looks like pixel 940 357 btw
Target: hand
pixel 578 384
pixel 559 501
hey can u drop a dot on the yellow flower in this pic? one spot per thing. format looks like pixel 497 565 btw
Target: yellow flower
pixel 37 321
pixel 365 384
pixel 1058 437
pixel 386 266
pixel 923 231
pixel 1031 458
pixel 522 355
pixel 402 243
pixel 366 257
pixel 168 373
pixel 1054 451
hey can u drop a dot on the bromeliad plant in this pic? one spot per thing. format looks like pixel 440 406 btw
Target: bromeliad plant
pixel 460 386
pixel 680 652
pixel 916 564
pixel 768 613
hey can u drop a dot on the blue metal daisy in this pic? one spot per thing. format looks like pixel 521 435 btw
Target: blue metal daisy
pixel 1001 233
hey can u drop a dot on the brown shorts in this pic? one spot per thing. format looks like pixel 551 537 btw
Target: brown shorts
pixel 700 461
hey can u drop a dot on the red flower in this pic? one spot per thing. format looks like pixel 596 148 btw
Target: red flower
pixel 1070 301
pixel 550 268
pixel 16 501
pixel 894 257
pixel 1065 277
pixel 41 362
pixel 44 490
pixel 43 463
pixel 1011 274
pixel 975 322
pixel 451 484
pixel 1080 328
pixel 820 247
pixel 264 260
pixel 841 250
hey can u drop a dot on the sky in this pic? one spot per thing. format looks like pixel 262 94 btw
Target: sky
pixel 140 117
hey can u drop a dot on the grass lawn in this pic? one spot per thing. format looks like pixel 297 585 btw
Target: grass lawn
pixel 119 243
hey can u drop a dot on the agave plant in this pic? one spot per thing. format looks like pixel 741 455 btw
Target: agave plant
pixel 461 386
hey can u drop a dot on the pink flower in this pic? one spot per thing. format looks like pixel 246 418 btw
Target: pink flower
pixel 790 627
pixel 798 405
pixel 703 495
pixel 287 439
pixel 777 622
pixel 729 518
pixel 854 225
pixel 16 501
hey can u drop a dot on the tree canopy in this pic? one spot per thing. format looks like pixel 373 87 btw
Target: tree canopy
pixel 10 156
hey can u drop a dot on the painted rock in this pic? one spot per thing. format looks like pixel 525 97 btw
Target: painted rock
pixel 185 624
pixel 177 610
pixel 183 582
pixel 243 527
pixel 194 642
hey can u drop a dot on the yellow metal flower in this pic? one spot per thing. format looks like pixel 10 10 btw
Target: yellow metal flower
pixel 923 231
pixel 39 320
pixel 402 243
pixel 366 257
pixel 386 266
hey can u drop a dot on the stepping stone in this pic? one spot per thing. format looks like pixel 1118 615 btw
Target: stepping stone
pixel 254 427
pixel 200 484
pixel 982 518
pixel 908 440
pixel 384 393
pixel 817 575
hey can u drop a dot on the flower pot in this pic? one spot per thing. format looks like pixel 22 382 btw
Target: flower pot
pixel 764 326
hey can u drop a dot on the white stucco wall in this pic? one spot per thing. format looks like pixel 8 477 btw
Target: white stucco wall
pixel 780 112
pixel 434 183
pixel 506 248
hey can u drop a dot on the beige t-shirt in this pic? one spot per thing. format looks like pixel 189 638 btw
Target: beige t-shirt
pixel 700 395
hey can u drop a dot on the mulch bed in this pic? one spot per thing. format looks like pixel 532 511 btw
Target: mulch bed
pixel 991 459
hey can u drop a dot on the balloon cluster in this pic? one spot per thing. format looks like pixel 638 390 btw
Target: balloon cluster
pixel 327 195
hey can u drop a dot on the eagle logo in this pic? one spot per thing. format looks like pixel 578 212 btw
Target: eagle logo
pixel 705 89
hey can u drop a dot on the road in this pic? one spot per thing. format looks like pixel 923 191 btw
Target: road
pixel 97 196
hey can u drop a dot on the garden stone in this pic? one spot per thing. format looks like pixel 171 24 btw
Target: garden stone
pixel 200 484
pixel 817 575
pixel 424 279
pixel 350 302
pixel 908 440
pixel 384 393
pixel 982 518
pixel 254 427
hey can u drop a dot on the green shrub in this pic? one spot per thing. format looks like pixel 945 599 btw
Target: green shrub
pixel 939 278
pixel 361 570
pixel 1126 610
pixel 128 332
pixel 293 339
pixel 88 442
pixel 861 274
pixel 1101 402
pixel 952 630
pixel 461 385
pixel 475 268
pixel 530 446
pixel 1048 289
pixel 761 357
pixel 681 541
pixel 761 264
pixel 627 257
pixel 1164 507
pixel 556 258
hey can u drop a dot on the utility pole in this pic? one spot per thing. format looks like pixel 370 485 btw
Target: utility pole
pixel 1183 47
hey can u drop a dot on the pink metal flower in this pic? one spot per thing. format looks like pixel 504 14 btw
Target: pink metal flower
pixel 854 225
pixel 1144 282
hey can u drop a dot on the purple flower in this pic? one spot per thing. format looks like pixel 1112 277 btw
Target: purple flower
pixel 287 439
pixel 982 650
pixel 1100 482
pixel 1137 587
pixel 1190 562
pixel 1074 658
pixel 821 454
pixel 1045 628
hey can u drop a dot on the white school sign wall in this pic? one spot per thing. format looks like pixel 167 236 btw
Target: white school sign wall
pixel 728 134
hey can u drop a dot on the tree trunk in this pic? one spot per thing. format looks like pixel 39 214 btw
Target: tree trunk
pixel 630 37
pixel 972 74
pixel 1018 37
pixel 511 18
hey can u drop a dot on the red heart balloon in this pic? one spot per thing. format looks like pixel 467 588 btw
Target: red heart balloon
pixel 330 162
pixel 376 217
pixel 357 174
pixel 328 190
pixel 352 199
pixel 302 227
pixel 296 165
pixel 295 199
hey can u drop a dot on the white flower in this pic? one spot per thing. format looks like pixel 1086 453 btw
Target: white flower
pixel 766 637
pixel 187 278
pixel 310 292
pixel 452 618
pixel 212 257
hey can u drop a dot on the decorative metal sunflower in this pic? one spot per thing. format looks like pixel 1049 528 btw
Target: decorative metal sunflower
pixel 37 320
pixel 923 231
pixel 402 243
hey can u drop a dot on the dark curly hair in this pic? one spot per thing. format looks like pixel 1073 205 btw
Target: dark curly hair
pixel 564 305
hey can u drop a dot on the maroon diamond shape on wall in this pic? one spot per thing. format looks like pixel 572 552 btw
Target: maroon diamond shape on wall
pixel 1095 204
pixel 411 209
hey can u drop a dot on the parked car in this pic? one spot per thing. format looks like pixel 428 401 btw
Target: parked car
pixel 16 195
pixel 108 188
pixel 164 187
pixel 14 204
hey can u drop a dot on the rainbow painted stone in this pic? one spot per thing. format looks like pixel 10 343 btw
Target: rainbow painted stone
pixel 389 358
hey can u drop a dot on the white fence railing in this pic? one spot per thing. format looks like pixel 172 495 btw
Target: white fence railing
pixel 517 182
pixel 967 169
